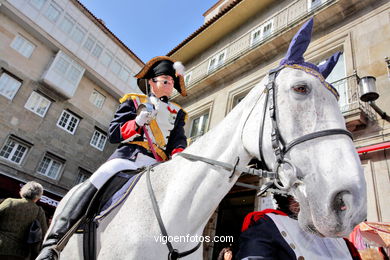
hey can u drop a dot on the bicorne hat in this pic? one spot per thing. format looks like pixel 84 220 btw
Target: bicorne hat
pixel 162 65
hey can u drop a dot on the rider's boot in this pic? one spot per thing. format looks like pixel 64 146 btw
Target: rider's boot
pixel 73 210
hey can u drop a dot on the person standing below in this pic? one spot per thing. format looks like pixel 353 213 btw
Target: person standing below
pixel 148 128
pixel 16 217
pixel 275 235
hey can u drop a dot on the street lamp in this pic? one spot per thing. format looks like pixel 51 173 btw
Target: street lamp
pixel 368 94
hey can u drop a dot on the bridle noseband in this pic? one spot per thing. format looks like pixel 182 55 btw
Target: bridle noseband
pixel 279 146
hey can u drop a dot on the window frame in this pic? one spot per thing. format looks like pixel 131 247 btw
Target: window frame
pixel 200 116
pixel 20 48
pixel 260 32
pixel 54 6
pixel 71 116
pixel 52 159
pixel 11 76
pixel 61 26
pixel 43 2
pixel 187 78
pixel 41 98
pixel 19 143
pixel 100 134
pixel 217 63
pixel 93 100
pixel 82 176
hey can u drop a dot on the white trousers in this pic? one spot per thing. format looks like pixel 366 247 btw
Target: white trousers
pixel 109 168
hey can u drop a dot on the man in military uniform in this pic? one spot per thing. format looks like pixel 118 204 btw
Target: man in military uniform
pixel 149 129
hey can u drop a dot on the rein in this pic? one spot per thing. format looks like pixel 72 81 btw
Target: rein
pixel 173 253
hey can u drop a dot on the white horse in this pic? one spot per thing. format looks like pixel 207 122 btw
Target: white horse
pixel 328 181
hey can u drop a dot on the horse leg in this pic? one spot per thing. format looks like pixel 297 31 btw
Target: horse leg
pixel 73 210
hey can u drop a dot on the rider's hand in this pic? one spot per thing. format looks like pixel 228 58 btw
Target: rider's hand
pixel 144 118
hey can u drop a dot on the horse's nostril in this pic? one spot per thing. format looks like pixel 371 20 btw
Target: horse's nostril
pixel 341 201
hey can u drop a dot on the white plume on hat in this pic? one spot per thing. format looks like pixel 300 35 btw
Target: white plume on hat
pixel 179 68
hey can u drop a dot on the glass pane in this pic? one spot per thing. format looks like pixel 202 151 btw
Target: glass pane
pixel 64 119
pixel 102 141
pixel 53 12
pixel 38 3
pixel 18 154
pixel 7 149
pixel 66 24
pixel 95 138
pixel 54 169
pixel 78 34
pixel 62 65
pixel 106 59
pixel 89 43
pixel 97 51
pixel 8 85
pixel 115 67
pixel 43 166
pixel 74 74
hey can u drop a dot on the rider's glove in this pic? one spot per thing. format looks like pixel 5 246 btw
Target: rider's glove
pixel 145 117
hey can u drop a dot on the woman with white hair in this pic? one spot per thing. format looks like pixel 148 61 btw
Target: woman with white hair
pixel 16 217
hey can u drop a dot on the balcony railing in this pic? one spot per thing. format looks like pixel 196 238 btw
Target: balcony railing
pixel 280 21
pixel 348 89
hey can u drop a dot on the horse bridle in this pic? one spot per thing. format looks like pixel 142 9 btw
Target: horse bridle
pixel 279 146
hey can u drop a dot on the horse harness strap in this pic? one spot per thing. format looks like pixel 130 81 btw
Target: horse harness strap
pixel 173 253
pixel 229 167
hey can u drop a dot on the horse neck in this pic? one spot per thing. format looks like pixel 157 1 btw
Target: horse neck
pixel 194 189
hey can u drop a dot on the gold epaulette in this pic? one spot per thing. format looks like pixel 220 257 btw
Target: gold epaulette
pixel 130 96
pixel 185 112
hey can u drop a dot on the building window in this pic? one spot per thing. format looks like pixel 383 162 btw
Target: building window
pixel 216 61
pixel 97 98
pixel 9 85
pixel 23 46
pixel 124 74
pixel 88 44
pixel 50 166
pixel 115 67
pixel 312 4
pixel 199 125
pixel 68 68
pixel 97 51
pixel 67 24
pixel 38 4
pixel 98 140
pixel 68 122
pixel 37 104
pixel 187 78
pixel 53 12
pixel 78 33
pixel 338 80
pixel 82 176
pixel 262 32
pixel 106 58
pixel 14 151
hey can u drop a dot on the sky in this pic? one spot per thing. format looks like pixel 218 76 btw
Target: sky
pixel 150 27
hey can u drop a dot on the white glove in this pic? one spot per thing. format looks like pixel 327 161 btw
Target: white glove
pixel 144 118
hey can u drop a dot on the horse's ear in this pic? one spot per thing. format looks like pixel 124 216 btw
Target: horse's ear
pixel 327 67
pixel 299 44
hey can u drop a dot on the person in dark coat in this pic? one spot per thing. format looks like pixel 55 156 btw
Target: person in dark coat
pixel 148 128
pixel 16 217
pixel 275 235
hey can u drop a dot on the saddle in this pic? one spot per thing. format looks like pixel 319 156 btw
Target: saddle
pixel 110 196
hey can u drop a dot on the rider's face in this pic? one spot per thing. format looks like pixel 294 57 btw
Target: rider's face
pixel 162 85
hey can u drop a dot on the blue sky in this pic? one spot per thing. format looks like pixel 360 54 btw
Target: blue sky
pixel 150 27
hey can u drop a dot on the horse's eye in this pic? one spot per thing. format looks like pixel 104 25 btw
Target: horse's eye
pixel 301 89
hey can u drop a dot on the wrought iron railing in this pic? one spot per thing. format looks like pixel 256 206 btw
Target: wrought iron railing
pixel 348 89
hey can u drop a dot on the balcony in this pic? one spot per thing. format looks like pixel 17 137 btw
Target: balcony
pixel 356 113
pixel 264 41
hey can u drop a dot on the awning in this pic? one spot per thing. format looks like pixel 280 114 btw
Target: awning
pixel 10 187
pixel 374 147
